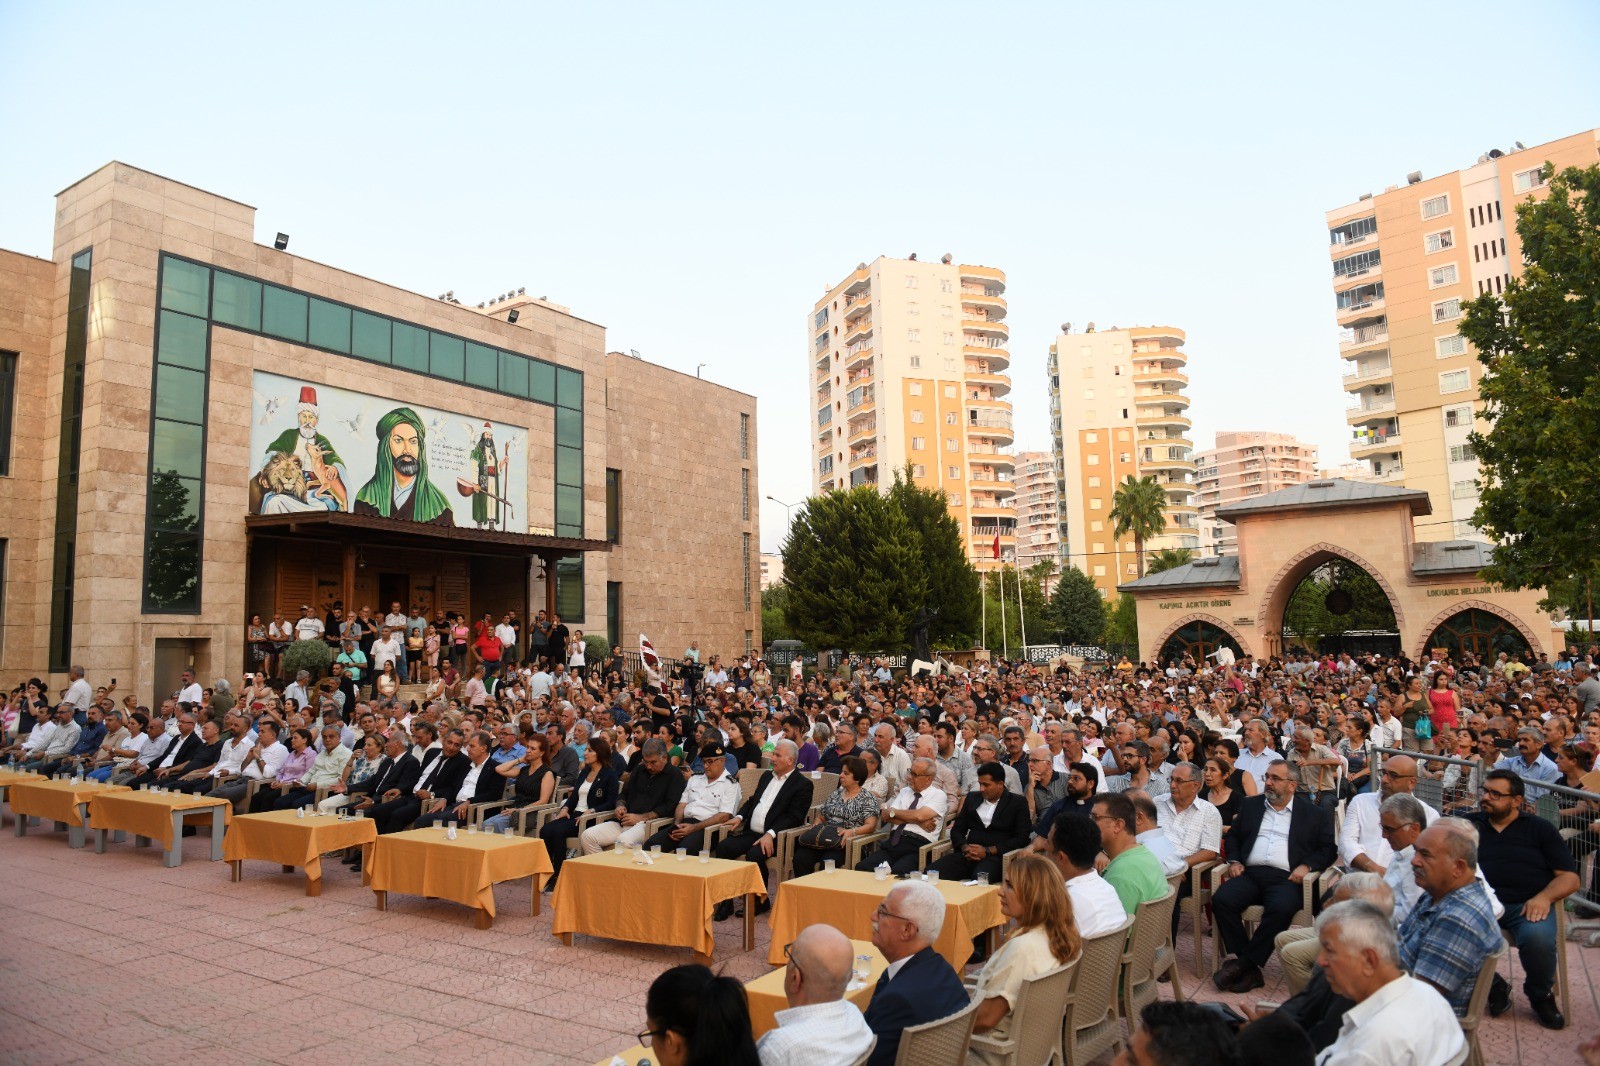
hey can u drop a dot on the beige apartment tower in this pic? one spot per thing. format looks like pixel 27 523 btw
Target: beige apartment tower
pixel 1038 510
pixel 1404 260
pixel 908 365
pixel 1117 407
pixel 1243 465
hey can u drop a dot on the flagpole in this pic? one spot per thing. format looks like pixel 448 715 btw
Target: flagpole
pixel 1022 617
pixel 1005 642
pixel 983 600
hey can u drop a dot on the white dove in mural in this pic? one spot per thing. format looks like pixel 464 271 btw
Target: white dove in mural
pixel 436 426
pixel 269 406
pixel 354 424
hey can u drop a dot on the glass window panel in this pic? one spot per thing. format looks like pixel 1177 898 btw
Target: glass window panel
pixel 175 503
pixel 543 383
pixel 569 388
pixel 283 313
pixel 569 589
pixel 236 301
pixel 569 466
pixel 177 449
pixel 513 374
pixel 569 511
pixel 410 348
pixel 185 287
pixel 180 394
pixel 449 357
pixel 369 338
pixel 483 366
pixel 569 428
pixel 330 326
pixel 172 571
pixel 183 341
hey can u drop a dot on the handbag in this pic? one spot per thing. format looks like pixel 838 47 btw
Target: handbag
pixel 824 837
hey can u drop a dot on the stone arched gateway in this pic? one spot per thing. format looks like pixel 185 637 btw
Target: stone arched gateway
pixel 1284 535
pixel 1422 646
pixel 1208 619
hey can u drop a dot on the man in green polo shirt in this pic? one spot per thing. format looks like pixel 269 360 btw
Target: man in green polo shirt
pixel 1134 871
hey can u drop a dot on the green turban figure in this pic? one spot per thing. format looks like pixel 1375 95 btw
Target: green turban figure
pixel 399 487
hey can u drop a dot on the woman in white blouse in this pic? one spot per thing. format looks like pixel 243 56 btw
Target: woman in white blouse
pixel 1046 937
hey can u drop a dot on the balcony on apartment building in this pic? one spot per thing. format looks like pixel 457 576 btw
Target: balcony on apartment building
pixel 1388 473
pixel 990 424
pixel 861 428
pixel 981 372
pixel 863 452
pixel 856 306
pixel 862 394
pixel 825 392
pixel 866 475
pixel 1356 338
pixel 983 302
pixel 1370 369
pixel 982 328
pixel 1161 416
pixel 1156 374
pixel 1361 304
pixel 1365 264
pixel 1372 405
pixel 1347 236
pixel 859 376
pixel 1380 439
pixel 857 355
pixel 860 328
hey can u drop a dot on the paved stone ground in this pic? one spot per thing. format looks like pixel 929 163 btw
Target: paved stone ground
pixel 116 958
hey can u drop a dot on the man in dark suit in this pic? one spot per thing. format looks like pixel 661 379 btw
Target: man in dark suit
pixel 1277 840
pixel 183 747
pixel 919 985
pixel 441 776
pixel 992 822
pixel 476 783
pixel 781 800
pixel 393 782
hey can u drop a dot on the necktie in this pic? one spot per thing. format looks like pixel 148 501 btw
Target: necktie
pixel 882 981
pixel 900 829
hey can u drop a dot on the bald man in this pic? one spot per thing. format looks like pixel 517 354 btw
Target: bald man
pixel 1361 842
pixel 820 1025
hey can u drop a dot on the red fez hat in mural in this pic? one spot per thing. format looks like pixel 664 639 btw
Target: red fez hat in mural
pixel 308 398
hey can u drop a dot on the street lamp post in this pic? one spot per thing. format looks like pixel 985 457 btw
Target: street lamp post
pixel 787 509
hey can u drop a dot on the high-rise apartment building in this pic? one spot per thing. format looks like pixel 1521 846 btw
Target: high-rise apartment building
pixel 908 366
pixel 1242 465
pixel 1117 407
pixel 1404 260
pixel 1038 514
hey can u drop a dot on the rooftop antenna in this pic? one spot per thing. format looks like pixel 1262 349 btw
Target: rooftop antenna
pixel 698 367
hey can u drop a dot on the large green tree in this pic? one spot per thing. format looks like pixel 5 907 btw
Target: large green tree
pixel 950 582
pixel 1539 343
pixel 1077 610
pixel 1122 624
pixel 853 572
pixel 774 626
pixel 1139 507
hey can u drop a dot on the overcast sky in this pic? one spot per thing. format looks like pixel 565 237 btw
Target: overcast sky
pixel 693 176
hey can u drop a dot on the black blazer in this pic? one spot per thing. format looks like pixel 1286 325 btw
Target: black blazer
pixel 1008 830
pixel 1311 841
pixel 602 794
pixel 452 771
pixel 202 758
pixel 490 786
pixel 790 810
pixel 187 748
pixel 925 989
pixel 401 774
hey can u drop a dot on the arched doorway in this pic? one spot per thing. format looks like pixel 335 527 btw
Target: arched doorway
pixel 1198 638
pixel 1479 633
pixel 1335 605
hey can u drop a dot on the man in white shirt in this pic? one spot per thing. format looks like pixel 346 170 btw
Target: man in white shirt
pixel 479 786
pixel 1152 836
pixel 298 691
pixel 781 801
pixel 709 799
pixel 309 627
pixel 261 762
pixel 189 691
pixel 156 742
pixel 1386 731
pixel 539 684
pixel 1073 844
pixel 396 618
pixel 60 740
pixel 1258 753
pixel 230 758
pixel 1404 819
pixel 1362 844
pixel 914 818
pixel 1396 1018
pixel 893 758
pixel 508 638
pixel 78 692
pixel 389 648
pixel 820 1027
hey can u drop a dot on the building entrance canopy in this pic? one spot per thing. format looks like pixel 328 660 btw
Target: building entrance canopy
pixel 1239 601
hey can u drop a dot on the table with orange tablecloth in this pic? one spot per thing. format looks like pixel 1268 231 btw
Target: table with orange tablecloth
pixel 846 899
pixel 62 802
pixel 426 862
pixel 150 815
pixel 11 777
pixel 669 902
pixel 635 1055
pixel 766 997
pixel 289 840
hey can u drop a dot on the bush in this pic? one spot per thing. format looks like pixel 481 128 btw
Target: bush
pixel 595 650
pixel 312 655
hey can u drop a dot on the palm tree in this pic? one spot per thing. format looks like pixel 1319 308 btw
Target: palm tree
pixel 1139 507
pixel 1170 558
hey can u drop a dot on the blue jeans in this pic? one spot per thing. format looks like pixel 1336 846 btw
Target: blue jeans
pixel 1536 946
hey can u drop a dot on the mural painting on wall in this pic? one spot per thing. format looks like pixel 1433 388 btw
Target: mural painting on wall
pixel 318 448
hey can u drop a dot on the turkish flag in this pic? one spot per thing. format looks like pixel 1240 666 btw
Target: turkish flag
pixel 997 545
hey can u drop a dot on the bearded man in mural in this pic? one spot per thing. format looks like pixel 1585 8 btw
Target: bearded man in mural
pixel 399 487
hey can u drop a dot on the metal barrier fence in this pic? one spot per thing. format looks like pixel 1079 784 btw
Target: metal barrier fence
pixel 1451 786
